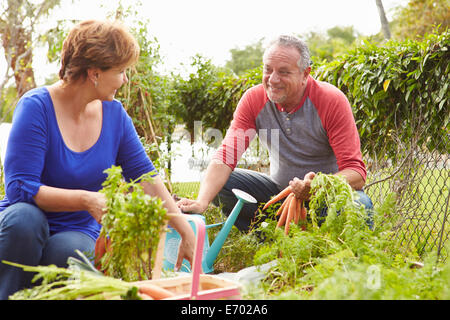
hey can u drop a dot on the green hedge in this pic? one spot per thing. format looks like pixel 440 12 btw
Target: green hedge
pixel 400 88
pixel 210 95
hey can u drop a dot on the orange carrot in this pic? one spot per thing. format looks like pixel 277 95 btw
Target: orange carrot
pixel 154 291
pixel 297 212
pixel 303 214
pixel 102 245
pixel 280 209
pixel 291 213
pixel 283 194
pixel 283 215
pixel 145 296
pixel 100 248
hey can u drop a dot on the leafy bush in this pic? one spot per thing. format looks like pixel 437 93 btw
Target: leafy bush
pixel 401 87
pixel 210 95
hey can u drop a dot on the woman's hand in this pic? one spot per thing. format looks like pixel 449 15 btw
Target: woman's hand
pixel 302 188
pixel 53 199
pixel 186 250
pixel 96 204
pixel 187 244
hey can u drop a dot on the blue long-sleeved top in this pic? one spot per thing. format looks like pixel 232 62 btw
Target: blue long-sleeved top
pixel 36 155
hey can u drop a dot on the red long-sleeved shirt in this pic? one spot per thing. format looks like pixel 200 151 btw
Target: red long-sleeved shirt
pixel 320 135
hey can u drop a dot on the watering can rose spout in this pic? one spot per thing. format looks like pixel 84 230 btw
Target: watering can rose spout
pixel 213 251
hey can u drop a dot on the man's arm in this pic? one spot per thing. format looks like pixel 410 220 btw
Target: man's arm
pixel 215 178
pixel 354 178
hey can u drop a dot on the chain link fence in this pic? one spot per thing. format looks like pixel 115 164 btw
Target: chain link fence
pixel 420 179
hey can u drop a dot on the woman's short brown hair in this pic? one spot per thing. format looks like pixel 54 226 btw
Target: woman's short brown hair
pixel 96 44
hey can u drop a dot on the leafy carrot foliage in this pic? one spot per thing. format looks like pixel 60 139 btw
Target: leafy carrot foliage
pixel 133 222
pixel 341 257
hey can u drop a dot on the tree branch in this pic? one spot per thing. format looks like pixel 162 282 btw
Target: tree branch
pixel 393 174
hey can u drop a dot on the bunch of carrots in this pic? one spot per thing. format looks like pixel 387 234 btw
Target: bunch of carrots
pixel 292 209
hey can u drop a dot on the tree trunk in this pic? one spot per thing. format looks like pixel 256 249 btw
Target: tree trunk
pixel 17 22
pixel 21 59
pixel 383 20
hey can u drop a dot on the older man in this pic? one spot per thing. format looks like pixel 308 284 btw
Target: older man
pixel 306 125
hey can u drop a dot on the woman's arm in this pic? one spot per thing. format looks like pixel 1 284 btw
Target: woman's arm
pixel 135 162
pixel 180 224
pixel 25 153
pixel 56 199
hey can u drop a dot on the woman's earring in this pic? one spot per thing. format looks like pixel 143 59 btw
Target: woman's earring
pixel 95 83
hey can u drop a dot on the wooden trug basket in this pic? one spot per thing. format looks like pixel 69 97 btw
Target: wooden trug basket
pixel 196 285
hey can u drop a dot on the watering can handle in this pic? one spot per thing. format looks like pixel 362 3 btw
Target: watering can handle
pixel 197 263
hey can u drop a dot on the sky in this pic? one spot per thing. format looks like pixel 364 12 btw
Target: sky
pixel 212 28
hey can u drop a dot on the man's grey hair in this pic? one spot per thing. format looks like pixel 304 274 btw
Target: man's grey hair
pixel 294 42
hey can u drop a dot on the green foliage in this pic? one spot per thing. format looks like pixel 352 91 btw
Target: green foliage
pixel 54 39
pixel 133 222
pixel 79 281
pixel 18 20
pixel 246 59
pixel 344 228
pixel 186 189
pixel 210 95
pixel 343 258
pixel 409 24
pixel 237 252
pixel 401 88
pixel 8 98
pixel 349 278
pixel 146 93
pixel 192 103
pixel 328 46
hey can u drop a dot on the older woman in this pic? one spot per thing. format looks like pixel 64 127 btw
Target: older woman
pixel 62 139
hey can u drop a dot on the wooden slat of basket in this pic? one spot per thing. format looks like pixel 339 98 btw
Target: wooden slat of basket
pixel 159 259
pixel 210 287
pixel 195 285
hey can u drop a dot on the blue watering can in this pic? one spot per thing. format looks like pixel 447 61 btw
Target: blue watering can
pixel 210 253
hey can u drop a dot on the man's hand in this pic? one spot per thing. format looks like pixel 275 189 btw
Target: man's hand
pixel 192 206
pixel 302 188
pixel 215 178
